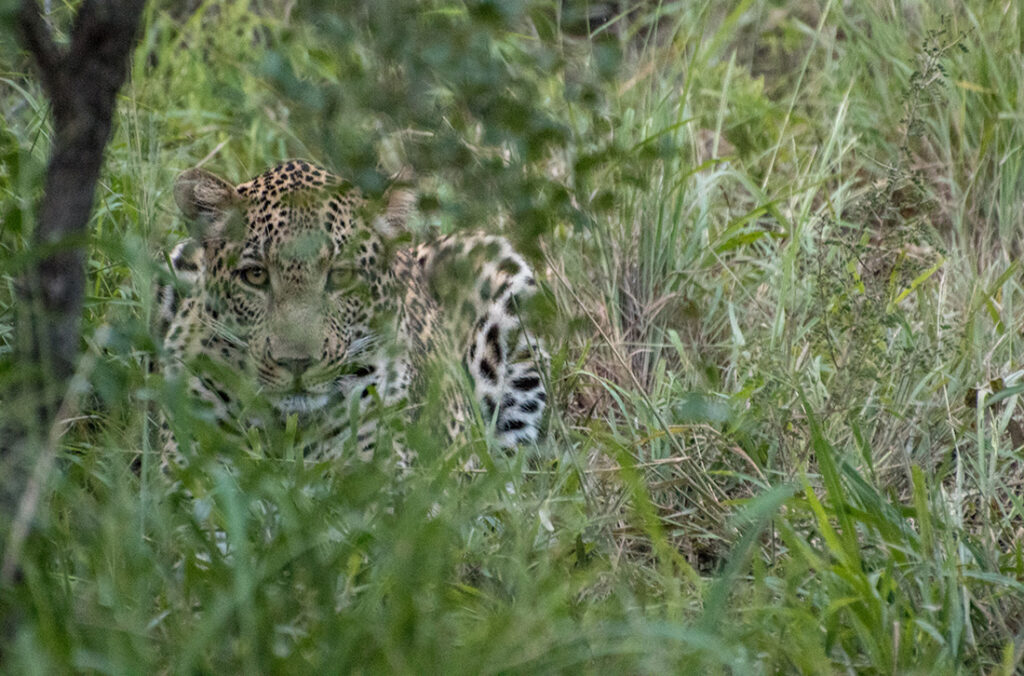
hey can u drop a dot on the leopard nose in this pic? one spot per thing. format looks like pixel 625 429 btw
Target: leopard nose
pixel 294 365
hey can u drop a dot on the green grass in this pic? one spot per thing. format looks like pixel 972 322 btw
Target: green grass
pixel 781 243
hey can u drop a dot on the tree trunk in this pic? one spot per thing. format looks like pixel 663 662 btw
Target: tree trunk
pixel 82 83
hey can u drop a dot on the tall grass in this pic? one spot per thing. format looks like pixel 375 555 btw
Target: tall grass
pixel 781 242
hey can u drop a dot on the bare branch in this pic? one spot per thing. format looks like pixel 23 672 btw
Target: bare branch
pixel 39 42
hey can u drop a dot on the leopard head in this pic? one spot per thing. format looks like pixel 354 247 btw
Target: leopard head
pixel 298 287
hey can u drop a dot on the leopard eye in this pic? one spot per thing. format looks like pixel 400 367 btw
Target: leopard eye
pixel 340 278
pixel 254 275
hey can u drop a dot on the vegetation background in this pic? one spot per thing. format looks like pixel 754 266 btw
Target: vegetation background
pixel 781 243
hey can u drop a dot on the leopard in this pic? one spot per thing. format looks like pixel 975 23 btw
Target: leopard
pixel 295 288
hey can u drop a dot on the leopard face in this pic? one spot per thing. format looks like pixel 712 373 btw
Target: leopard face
pixel 299 290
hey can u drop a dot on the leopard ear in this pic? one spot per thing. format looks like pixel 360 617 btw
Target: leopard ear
pixel 401 203
pixel 205 200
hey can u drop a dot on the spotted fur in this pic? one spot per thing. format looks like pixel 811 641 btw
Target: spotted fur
pixel 290 286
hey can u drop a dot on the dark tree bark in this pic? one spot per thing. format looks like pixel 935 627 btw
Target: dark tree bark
pixel 81 82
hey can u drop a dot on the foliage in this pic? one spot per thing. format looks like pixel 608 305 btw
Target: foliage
pixel 780 243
